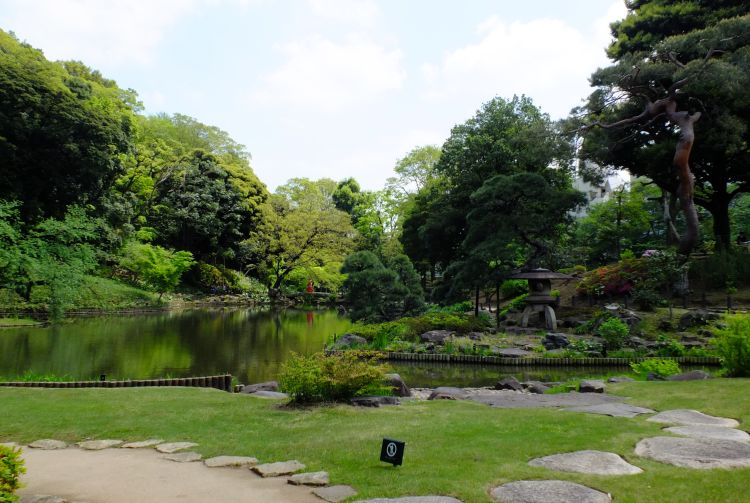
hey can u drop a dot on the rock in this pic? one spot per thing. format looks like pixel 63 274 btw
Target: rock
pixel 436 336
pixel 413 499
pixel 230 461
pixel 637 342
pixel 510 383
pixel 535 387
pixel 97 445
pixel 716 432
pixel 511 352
pixel 475 336
pixel 695 318
pixel 397 383
pixel 374 401
pixel 620 379
pixel 592 386
pixel 555 341
pixel 654 377
pixel 546 491
pixel 144 443
pixel 270 394
pixel 588 462
pixel 665 325
pixel 702 453
pixel 309 479
pixel 692 417
pixel 261 386
pixel 183 457
pixel 279 468
pixel 333 494
pixel 448 393
pixel 171 447
pixel 48 444
pixel 612 409
pixel 693 375
pixel 42 498
pixel 348 341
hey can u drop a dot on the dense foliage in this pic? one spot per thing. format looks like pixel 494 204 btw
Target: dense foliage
pixel 11 468
pixel 732 343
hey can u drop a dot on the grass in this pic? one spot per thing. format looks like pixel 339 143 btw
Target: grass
pixel 17 322
pixel 452 447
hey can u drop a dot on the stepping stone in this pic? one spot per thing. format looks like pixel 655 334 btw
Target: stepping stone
pixel 309 479
pixel 413 499
pixel 279 468
pixel 97 445
pixel 42 498
pixel 716 432
pixel 512 353
pixel 546 491
pixel 613 409
pixel 689 417
pixel 617 379
pixel 143 443
pixel 270 394
pixel 171 447
pixel 48 444
pixel 334 494
pixel 234 461
pixel 589 462
pixel 592 386
pixel 702 453
pixel 183 457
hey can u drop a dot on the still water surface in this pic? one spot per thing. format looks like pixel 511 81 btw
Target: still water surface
pixel 250 344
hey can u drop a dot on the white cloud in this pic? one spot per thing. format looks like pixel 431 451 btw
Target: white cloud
pixel 546 59
pixel 321 73
pixel 361 12
pixel 94 31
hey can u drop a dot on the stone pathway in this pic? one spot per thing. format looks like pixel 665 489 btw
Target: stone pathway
pixel 710 432
pixel 413 499
pixel 590 462
pixel 701 453
pixel 612 409
pixel 547 491
pixel 690 417
pixel 334 494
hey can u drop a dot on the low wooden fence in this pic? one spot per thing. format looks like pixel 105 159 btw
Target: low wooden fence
pixel 222 382
pixel 542 362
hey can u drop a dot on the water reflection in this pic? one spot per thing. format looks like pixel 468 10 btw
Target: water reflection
pixel 250 344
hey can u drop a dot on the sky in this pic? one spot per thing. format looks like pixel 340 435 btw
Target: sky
pixel 328 88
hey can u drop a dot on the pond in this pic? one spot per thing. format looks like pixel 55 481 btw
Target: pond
pixel 248 343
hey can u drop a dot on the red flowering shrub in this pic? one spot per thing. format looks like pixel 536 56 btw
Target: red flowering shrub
pixel 614 279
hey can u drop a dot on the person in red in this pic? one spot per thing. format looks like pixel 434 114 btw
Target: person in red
pixel 310 287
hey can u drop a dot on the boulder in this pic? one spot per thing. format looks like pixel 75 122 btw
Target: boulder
pixel 374 401
pixel 701 453
pixel 693 375
pixel 591 386
pixel 588 462
pixel 309 479
pixel 535 387
pixel 348 341
pixel 436 336
pixel 696 318
pixel 546 491
pixel 510 383
pixel 654 377
pixel 397 383
pixel 511 352
pixel 448 393
pixel 278 469
pixel 262 386
pixel 475 336
pixel 717 432
pixel 555 340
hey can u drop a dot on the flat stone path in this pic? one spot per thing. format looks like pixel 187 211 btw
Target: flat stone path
pixel 701 453
pixel 334 494
pixel 715 432
pixel 130 475
pixel 547 491
pixel 513 400
pixel 172 447
pixel 97 445
pixel 612 409
pixel 689 417
pixel 589 462
pixel 413 499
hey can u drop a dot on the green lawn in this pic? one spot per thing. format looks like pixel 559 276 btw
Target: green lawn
pixel 454 448
pixel 17 322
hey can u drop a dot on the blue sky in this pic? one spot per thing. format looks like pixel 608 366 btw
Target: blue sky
pixel 328 88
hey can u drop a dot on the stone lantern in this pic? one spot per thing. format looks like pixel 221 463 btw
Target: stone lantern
pixel 540 300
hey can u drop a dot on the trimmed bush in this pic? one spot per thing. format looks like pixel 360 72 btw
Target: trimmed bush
pixel 733 345
pixel 615 333
pixel 656 366
pixel 11 468
pixel 331 378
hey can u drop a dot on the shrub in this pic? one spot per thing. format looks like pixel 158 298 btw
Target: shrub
pixel 646 299
pixel 733 345
pixel 667 346
pixel 514 287
pixel 614 331
pixel 656 366
pixel 614 279
pixel 457 308
pixel 336 377
pixel 11 467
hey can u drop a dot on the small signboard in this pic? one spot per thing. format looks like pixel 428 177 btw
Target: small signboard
pixel 392 451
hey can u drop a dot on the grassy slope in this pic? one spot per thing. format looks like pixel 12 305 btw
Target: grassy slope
pixel 456 448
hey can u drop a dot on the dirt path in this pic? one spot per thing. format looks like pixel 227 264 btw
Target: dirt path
pixel 130 475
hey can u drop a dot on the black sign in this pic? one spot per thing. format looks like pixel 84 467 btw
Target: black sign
pixel 392 451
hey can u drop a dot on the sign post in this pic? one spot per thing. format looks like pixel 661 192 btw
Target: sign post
pixel 392 451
